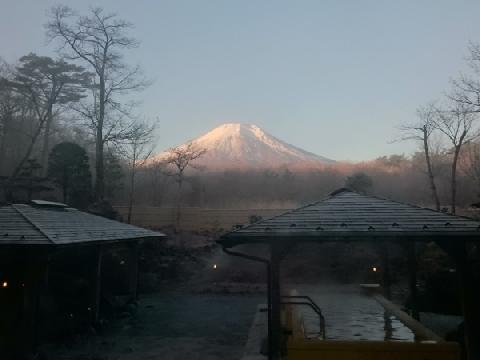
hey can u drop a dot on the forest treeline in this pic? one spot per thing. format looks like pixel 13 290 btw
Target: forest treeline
pixel 83 96
pixel 398 177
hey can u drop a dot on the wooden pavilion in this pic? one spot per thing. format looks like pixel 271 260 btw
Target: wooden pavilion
pixel 347 216
pixel 48 252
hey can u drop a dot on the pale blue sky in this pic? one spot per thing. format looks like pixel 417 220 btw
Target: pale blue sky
pixel 334 77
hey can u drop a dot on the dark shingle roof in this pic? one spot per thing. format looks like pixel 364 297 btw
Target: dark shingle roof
pixel 56 225
pixel 348 215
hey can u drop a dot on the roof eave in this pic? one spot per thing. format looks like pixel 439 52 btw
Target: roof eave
pixel 237 238
pixel 112 241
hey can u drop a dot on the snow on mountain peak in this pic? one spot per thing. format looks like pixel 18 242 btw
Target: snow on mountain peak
pixel 238 145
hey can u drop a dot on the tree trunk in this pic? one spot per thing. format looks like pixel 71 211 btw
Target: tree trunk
pixel 46 141
pixel 65 186
pixel 2 154
pixel 99 169
pixel 65 195
pixel 27 153
pixel 454 178
pixel 179 204
pixel 431 177
pixel 6 125
pixel 131 194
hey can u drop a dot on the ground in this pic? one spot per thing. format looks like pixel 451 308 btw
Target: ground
pixel 204 312
pixel 174 324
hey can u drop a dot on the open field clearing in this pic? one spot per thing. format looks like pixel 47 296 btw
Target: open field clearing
pixel 195 218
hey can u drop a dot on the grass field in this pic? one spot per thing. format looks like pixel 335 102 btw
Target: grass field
pixel 195 219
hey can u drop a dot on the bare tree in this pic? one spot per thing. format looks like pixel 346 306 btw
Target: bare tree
pixel 98 40
pixel 181 158
pixel 471 162
pixel 10 105
pixel 457 124
pixel 137 149
pixel 422 132
pixel 466 93
pixel 466 89
pixel 156 182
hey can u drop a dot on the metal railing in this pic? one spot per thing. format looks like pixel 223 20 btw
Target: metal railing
pixel 310 303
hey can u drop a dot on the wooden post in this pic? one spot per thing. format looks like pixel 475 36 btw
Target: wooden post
pixel 42 292
pixel 97 284
pixel 420 331
pixel 133 249
pixel 469 292
pixel 269 313
pixel 470 303
pixel 412 279
pixel 276 324
pixel 387 326
pixel 26 342
pixel 35 272
pixel 385 270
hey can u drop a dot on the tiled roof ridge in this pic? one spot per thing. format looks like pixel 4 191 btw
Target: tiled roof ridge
pixel 285 213
pixel 36 226
pixel 344 190
pixel 414 206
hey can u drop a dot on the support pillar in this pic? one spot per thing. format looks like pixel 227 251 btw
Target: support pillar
pixel 412 279
pixel 133 250
pixel 469 293
pixel 34 289
pixel 97 285
pixel 269 313
pixel 275 296
pixel 26 342
pixel 387 326
pixel 385 270
pixel 470 303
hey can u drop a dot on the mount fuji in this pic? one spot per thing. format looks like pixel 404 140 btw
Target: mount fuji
pixel 245 146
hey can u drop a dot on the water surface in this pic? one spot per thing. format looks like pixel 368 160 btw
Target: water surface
pixel 350 315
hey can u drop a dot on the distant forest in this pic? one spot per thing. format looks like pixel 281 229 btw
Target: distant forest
pixel 397 177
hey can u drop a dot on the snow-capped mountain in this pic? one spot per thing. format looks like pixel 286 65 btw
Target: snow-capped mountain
pixel 236 145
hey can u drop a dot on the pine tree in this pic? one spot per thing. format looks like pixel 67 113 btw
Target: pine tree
pixel 69 168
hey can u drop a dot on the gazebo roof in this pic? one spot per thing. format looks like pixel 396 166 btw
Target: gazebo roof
pixel 347 215
pixel 47 223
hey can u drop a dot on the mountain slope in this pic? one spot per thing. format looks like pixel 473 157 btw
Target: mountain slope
pixel 237 145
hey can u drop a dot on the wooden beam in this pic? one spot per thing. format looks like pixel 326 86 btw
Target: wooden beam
pixel 470 303
pixel 412 278
pixel 97 284
pixel 469 293
pixel 133 250
pixel 420 331
pixel 387 326
pixel 382 249
pixel 275 294
pixel 278 251
pixel 35 271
